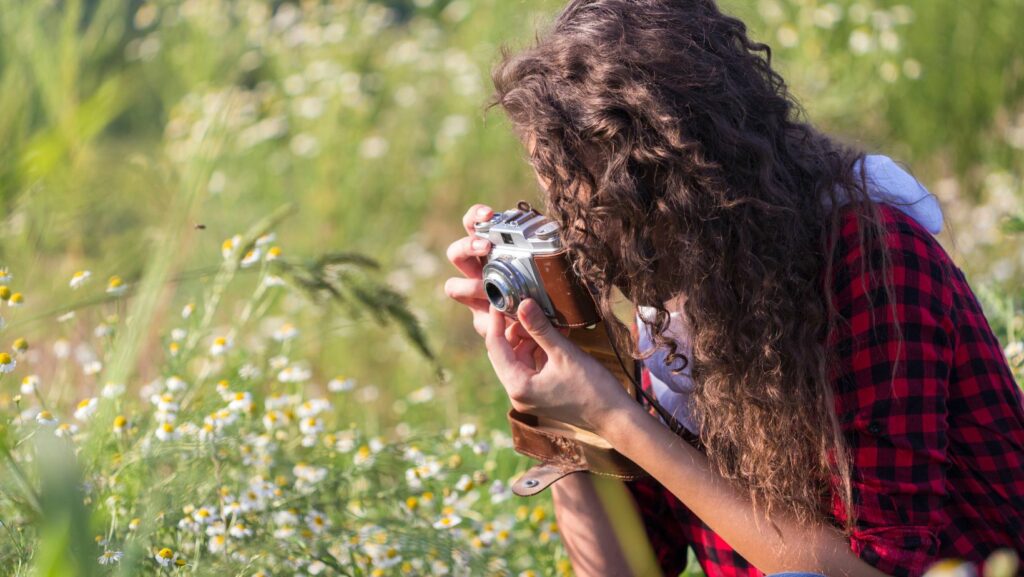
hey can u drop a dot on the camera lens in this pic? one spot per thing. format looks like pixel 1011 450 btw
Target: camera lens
pixel 495 295
pixel 504 286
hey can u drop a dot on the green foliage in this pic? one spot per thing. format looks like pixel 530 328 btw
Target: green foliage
pixel 138 135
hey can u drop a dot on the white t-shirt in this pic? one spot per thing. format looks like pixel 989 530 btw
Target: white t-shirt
pixel 887 183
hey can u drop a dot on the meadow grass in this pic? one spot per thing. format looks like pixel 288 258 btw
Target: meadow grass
pixel 274 382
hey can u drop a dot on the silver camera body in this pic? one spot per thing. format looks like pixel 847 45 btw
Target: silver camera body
pixel 510 275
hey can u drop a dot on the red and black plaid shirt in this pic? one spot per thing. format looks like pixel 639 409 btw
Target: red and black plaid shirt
pixel 938 452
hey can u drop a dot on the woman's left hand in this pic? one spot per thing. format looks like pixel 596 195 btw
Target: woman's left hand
pixel 547 375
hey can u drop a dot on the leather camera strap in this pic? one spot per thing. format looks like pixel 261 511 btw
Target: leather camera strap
pixel 563 449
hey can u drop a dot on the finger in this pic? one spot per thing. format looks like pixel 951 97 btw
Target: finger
pixel 466 254
pixel 510 335
pixel 540 327
pixel 475 214
pixel 499 351
pixel 465 290
pixel 516 332
pixel 526 354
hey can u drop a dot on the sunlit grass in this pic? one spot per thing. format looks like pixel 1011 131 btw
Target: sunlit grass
pixel 312 358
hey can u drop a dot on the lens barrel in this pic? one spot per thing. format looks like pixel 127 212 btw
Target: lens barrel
pixel 504 286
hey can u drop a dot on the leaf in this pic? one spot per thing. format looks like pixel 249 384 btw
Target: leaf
pixel 1013 224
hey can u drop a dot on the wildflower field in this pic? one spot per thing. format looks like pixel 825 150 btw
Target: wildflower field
pixel 225 345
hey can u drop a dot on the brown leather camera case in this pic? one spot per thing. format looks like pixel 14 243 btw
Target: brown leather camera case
pixel 562 448
pixel 574 306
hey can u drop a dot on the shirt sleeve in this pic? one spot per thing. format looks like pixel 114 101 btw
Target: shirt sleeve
pixel 895 353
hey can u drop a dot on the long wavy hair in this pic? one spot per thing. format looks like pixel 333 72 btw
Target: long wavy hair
pixel 678 164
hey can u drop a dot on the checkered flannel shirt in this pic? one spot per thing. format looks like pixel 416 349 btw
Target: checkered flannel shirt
pixel 937 452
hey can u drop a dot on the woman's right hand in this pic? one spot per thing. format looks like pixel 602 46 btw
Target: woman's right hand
pixel 466 254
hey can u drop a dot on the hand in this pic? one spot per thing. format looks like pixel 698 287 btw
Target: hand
pixel 466 254
pixel 547 375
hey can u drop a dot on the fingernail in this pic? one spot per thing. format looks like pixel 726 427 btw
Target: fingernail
pixel 483 212
pixel 480 244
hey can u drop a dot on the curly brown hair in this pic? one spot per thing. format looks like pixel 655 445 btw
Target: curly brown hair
pixel 679 165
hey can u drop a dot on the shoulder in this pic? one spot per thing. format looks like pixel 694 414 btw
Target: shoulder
pixel 902 232
pixel 918 269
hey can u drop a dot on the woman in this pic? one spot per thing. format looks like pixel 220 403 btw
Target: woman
pixel 856 412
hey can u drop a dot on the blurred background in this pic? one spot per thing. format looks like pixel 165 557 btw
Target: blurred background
pixel 130 129
pixel 370 117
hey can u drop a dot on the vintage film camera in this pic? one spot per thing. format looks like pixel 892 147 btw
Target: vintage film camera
pixel 528 261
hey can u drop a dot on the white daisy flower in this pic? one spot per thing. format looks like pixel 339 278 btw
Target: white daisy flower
pixel 341 384
pixel 7 363
pixel 175 383
pixel 46 418
pixel 317 522
pixel 285 332
pixel 252 257
pixel 92 367
pixel 311 426
pixel 239 530
pixel 227 248
pixel 220 346
pixel 187 310
pixel 216 544
pixel 273 419
pixel 241 402
pixel 284 532
pixel 79 278
pixel 286 517
pixel 294 374
pixel 116 286
pixel 272 280
pixel 30 384
pixel 363 456
pixel 66 430
pixel 164 403
pixel 313 407
pixel 447 521
pixel 86 408
pixel 166 557
pixel 205 515
pixel 249 371
pixel 110 557
pixel 111 390
pixel 166 432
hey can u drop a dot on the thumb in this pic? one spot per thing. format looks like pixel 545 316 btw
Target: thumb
pixel 539 326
